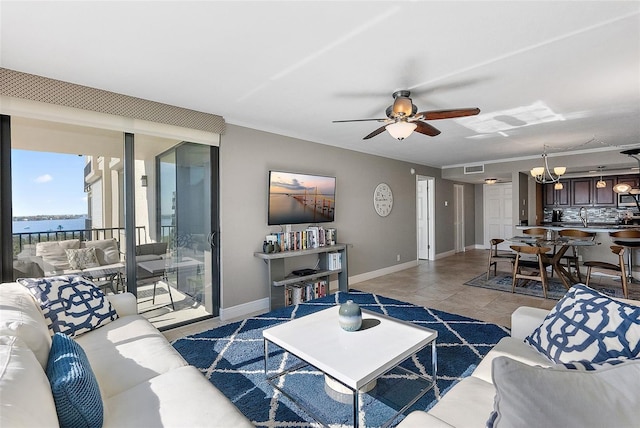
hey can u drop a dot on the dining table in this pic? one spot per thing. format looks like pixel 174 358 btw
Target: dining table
pixel 560 245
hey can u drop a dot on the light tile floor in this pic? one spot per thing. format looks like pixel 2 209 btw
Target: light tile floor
pixel 435 284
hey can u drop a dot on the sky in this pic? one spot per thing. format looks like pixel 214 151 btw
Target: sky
pixel 47 183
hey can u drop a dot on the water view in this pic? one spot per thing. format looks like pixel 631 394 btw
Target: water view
pixel 48 225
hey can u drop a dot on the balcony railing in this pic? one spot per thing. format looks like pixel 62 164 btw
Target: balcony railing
pixel 30 238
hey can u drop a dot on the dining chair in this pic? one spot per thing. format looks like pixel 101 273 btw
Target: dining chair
pixel 541 232
pixel 536 231
pixel 620 268
pixel 538 264
pixel 574 256
pixel 496 256
pixel 630 239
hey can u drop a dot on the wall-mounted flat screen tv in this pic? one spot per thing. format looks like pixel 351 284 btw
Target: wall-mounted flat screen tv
pixel 300 198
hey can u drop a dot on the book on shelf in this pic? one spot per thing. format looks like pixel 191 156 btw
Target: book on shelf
pixel 297 293
pixel 311 237
pixel 334 261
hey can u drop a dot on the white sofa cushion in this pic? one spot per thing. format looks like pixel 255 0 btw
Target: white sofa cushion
pixel 588 325
pixel 26 396
pixel 127 352
pixel 467 404
pixel 559 397
pixel 513 348
pixel 20 316
pixel 162 401
pixel 53 254
pixel 89 308
pixel 420 419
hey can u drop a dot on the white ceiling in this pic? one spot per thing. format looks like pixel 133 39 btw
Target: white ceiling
pixel 293 67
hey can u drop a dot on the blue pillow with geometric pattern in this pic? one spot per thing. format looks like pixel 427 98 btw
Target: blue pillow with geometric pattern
pixel 74 386
pixel 71 304
pixel 586 325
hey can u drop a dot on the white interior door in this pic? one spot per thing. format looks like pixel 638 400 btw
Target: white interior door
pixel 423 219
pixel 458 224
pixel 498 217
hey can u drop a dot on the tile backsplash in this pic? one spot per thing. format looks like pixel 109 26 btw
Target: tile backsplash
pixel 595 215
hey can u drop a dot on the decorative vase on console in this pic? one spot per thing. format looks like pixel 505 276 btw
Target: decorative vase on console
pixel 350 316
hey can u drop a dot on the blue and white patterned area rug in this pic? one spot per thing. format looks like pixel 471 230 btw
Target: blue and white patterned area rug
pixel 232 358
pixel 503 282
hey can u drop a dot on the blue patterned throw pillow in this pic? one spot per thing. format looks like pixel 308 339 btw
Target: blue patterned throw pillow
pixel 74 386
pixel 588 326
pixel 71 304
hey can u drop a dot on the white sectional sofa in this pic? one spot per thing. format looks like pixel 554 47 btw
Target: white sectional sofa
pixel 562 398
pixel 142 379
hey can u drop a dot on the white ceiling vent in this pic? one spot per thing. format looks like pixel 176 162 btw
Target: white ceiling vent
pixel 473 169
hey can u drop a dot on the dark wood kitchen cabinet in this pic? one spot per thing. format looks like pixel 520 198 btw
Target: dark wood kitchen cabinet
pixel 557 197
pixel 582 191
pixel 605 197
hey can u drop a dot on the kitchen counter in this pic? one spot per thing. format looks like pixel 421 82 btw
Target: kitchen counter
pixel 594 227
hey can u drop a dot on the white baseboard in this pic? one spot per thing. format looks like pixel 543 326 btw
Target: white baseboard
pixel 445 254
pixel 241 311
pixel 380 272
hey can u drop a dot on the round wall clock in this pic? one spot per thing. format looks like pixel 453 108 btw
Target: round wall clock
pixel 383 199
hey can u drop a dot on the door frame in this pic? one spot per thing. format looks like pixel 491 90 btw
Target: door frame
pixel 458 219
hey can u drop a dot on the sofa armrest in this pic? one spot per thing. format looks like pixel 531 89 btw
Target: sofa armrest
pixel 525 320
pixel 124 304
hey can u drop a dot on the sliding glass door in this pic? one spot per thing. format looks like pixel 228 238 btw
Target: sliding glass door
pixel 187 199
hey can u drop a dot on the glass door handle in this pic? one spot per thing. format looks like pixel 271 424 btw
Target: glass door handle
pixel 211 238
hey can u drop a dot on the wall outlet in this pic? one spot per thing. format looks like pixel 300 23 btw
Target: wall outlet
pixel 398 258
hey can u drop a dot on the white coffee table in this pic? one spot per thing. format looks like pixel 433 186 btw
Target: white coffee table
pixel 354 359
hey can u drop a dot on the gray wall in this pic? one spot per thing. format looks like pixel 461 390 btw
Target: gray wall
pixel 247 155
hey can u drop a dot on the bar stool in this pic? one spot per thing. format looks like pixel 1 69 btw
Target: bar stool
pixel 539 264
pixel 630 239
pixel 620 268
pixel 496 256
pixel 573 257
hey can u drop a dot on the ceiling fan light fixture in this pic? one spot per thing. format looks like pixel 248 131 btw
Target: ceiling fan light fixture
pixel 401 130
pixel 402 106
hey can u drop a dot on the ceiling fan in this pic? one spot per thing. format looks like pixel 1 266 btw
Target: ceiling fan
pixel 403 118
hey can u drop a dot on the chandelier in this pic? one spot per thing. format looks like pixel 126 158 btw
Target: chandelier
pixel 544 175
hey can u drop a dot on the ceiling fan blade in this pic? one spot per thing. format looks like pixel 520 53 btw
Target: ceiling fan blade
pixel 358 120
pixel 448 114
pixel 426 129
pixel 376 132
